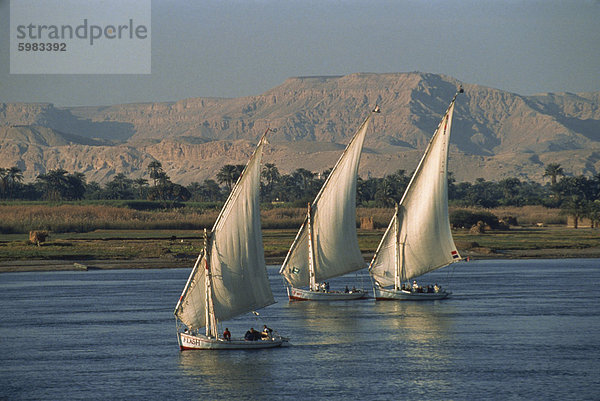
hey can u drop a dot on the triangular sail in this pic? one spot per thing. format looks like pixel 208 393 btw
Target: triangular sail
pixel 334 238
pixel 238 271
pixel 424 240
pixel 384 268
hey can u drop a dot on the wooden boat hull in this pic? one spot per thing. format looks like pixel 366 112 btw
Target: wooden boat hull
pixel 298 294
pixel 200 342
pixel 382 294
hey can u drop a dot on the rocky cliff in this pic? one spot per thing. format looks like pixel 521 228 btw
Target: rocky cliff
pixel 495 134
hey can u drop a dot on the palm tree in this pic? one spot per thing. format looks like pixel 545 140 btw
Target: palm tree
pixel 240 169
pixel 386 194
pixel 510 190
pixel 271 175
pixel 483 193
pixel 303 177
pixel 155 169
pixel 211 191
pixel 10 178
pixel 553 170
pixel 401 181
pixel 76 186
pixel 195 190
pixel 574 206
pixel 141 184
pixel 366 189
pixel 120 187
pixel 15 176
pixel 3 180
pixel 451 185
pixel 54 184
pixel 228 175
pixel 593 212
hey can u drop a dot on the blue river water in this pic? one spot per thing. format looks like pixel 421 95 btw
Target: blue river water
pixel 513 329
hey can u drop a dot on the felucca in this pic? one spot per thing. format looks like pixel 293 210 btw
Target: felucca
pixel 419 239
pixel 229 277
pixel 326 245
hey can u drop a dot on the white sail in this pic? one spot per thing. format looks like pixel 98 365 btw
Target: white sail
pixel 236 258
pixel 383 267
pixel 334 238
pixel 423 239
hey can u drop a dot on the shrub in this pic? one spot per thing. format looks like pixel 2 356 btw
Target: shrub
pixel 468 219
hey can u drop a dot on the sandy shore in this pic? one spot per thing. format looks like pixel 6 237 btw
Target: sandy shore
pixel 99 264
pixel 103 264
pixel 168 263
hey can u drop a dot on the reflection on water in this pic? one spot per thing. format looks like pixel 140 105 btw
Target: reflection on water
pixel 424 332
pixel 418 322
pixel 328 322
pixel 221 372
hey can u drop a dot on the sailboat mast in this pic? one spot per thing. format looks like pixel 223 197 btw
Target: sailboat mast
pixel 211 326
pixel 207 284
pixel 397 278
pixel 311 254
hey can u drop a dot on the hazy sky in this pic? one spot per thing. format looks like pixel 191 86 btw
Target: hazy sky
pixel 203 48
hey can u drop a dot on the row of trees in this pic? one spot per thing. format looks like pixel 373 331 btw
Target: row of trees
pixel 578 195
pixel 59 184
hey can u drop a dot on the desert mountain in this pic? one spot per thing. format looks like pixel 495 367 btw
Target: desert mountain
pixel 495 134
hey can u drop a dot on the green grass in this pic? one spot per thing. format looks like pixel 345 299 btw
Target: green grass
pixel 132 244
pixel 100 249
pixel 530 239
pixel 87 231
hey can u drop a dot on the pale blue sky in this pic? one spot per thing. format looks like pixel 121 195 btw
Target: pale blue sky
pixel 203 48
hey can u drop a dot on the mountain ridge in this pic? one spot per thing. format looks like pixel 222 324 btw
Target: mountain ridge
pixel 495 134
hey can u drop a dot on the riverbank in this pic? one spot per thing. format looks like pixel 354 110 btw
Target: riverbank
pixel 159 263
pixel 131 249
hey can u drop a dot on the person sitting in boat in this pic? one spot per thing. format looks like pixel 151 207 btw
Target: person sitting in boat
pixel 415 286
pixel 266 333
pixel 346 290
pixel 437 288
pixel 327 286
pixel 252 335
pixel 227 334
pixel 256 334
